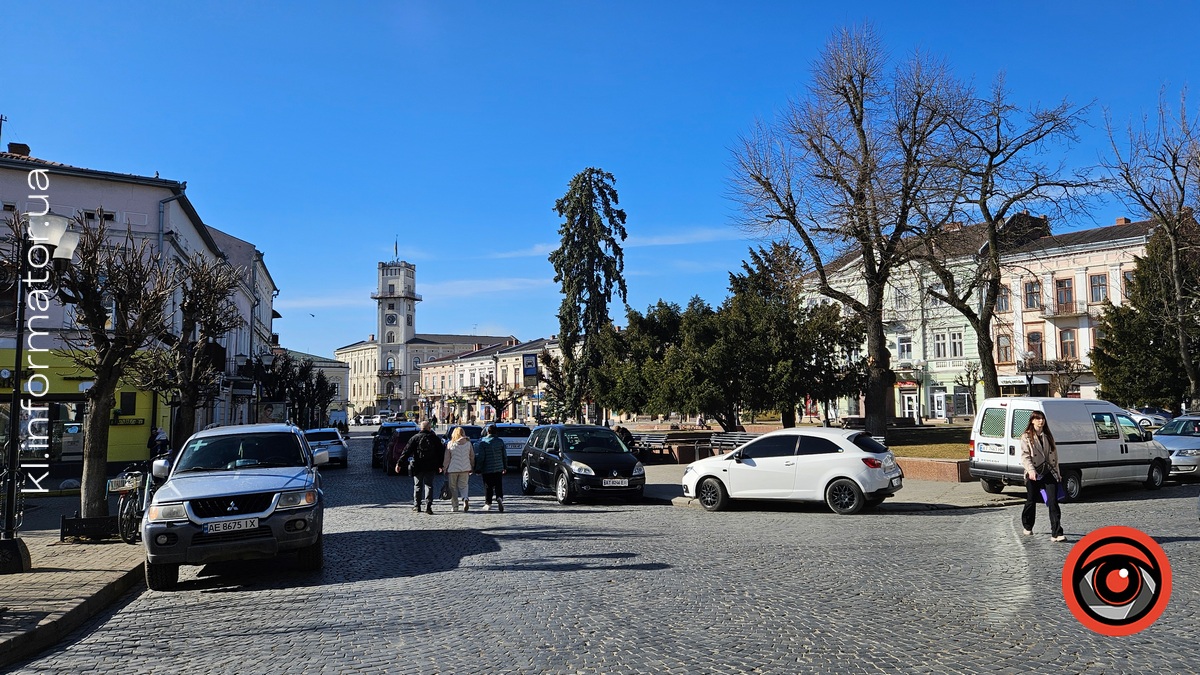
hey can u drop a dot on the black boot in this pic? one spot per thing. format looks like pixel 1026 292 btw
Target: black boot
pixel 429 509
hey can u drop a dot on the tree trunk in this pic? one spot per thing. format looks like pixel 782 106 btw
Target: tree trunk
pixel 185 424
pixel 93 493
pixel 788 416
pixel 987 365
pixel 879 381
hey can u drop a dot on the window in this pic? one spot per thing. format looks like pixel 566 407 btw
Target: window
pixel 939 346
pixel 993 423
pixel 391 364
pixel 391 388
pixel 391 289
pixel 391 337
pixel 1064 292
pixel 770 446
pixel 956 345
pixel 1127 286
pixel 416 389
pixel 901 300
pixel 460 380
pixel 1035 345
pixel 443 383
pixel 1004 350
pixel 1066 344
pixel 904 348
pixel 408 319
pixel 1099 285
pixel 1002 299
pixel 416 363
pixel 391 305
pixel 937 302
pixel 472 378
pixel 1106 426
pixel 336 388
pixel 1033 295
pixel 816 445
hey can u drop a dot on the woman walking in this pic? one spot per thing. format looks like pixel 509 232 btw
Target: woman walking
pixel 1039 457
pixel 492 460
pixel 459 462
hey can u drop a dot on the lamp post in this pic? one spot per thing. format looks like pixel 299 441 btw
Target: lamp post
pixel 1029 357
pixel 265 360
pixel 42 240
pixel 919 374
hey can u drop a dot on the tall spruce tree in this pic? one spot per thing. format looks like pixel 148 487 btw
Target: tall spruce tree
pixel 589 264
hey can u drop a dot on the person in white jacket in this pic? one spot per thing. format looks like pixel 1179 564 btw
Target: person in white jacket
pixel 459 463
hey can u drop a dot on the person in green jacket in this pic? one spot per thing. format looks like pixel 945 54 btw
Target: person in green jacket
pixel 491 458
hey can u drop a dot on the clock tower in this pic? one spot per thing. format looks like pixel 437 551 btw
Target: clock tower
pixel 396 299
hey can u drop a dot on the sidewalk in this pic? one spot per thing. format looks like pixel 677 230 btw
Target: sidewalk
pixel 69 582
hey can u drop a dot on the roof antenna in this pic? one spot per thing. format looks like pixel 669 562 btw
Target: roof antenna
pixel 3 119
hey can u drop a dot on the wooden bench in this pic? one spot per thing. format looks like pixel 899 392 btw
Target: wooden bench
pixel 728 440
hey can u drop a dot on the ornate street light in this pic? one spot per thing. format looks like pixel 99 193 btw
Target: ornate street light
pixel 1029 357
pixel 919 370
pixel 43 240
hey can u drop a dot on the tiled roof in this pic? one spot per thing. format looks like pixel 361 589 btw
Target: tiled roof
pixel 12 159
pixel 1095 235
pixel 442 339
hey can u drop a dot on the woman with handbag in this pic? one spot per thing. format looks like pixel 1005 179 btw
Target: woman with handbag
pixel 459 463
pixel 1039 457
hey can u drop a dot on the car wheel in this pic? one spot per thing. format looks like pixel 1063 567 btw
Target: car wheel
pixel 312 558
pixel 844 497
pixel 562 489
pixel 992 487
pixel 161 576
pixel 712 494
pixel 1155 478
pixel 527 486
pixel 1074 485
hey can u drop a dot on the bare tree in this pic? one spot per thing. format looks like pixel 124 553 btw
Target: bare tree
pixel 1158 173
pixel 969 379
pixel 185 365
pixel 120 292
pixel 1064 373
pixel 854 168
pixel 999 154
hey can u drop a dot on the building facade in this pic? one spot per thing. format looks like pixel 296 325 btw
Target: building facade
pixel 450 385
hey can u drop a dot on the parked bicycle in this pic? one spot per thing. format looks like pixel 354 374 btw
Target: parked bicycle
pixel 136 486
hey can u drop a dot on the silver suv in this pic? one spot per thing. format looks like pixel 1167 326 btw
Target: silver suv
pixel 235 493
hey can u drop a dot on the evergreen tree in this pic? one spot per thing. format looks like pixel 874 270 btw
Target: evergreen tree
pixel 589 264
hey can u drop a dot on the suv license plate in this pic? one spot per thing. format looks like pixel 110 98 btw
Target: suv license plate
pixel 896 482
pixel 615 482
pixel 231 526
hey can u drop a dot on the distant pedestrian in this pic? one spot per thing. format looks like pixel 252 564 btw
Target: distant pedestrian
pixel 1039 457
pixel 491 460
pixel 424 454
pixel 459 463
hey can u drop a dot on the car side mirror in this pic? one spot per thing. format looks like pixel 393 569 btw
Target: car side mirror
pixel 1147 435
pixel 160 468
pixel 737 457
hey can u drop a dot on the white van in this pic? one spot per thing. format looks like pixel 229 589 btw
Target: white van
pixel 1097 442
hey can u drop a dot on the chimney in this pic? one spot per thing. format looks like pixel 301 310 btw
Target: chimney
pixel 1122 220
pixel 371 338
pixel 19 149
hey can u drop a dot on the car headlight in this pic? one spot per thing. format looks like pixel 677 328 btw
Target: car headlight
pixel 582 469
pixel 1188 452
pixel 168 511
pixel 295 500
pixel 638 470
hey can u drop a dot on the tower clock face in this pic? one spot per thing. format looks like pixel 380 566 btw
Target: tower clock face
pixel 390 319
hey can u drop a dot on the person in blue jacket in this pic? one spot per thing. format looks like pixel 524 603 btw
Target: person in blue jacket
pixel 491 459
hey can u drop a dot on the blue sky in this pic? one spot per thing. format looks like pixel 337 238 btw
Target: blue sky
pixel 324 132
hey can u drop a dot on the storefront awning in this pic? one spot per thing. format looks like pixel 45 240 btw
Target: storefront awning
pixel 1020 381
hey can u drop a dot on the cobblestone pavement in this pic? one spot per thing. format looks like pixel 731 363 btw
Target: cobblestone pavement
pixel 620 588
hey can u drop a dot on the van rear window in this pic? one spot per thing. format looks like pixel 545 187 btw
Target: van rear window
pixel 992 425
pixel 1020 421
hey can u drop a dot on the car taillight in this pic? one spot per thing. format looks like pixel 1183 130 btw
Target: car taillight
pixel 872 462
pixel 971 449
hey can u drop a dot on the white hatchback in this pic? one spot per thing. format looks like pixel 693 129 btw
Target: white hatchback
pixel 846 469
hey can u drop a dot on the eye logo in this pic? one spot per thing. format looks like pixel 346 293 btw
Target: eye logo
pixel 1116 581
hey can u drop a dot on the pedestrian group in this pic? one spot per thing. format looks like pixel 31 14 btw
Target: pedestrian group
pixel 425 456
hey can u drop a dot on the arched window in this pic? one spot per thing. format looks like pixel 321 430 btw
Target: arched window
pixel 391 388
pixel 409 319
pixel 416 363
pixel 391 337
pixel 391 364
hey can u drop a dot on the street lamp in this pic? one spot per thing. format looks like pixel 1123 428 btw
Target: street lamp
pixel 44 240
pixel 919 374
pixel 1029 357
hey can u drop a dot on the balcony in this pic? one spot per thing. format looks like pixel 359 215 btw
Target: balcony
pixel 403 293
pixel 1062 310
pixel 388 373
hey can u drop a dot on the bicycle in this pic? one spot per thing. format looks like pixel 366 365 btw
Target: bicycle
pixel 136 486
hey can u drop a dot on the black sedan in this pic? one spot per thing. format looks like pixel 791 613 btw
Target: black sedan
pixel 580 461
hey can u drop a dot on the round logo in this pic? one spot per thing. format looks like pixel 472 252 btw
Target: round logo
pixel 1116 580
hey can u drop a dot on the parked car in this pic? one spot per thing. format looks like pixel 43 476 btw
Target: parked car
pixel 405 431
pixel 1154 410
pixel 845 468
pixel 514 437
pixel 331 441
pixel 1181 437
pixel 473 432
pixel 1098 443
pixel 235 493
pixel 383 436
pixel 580 461
pixel 1147 420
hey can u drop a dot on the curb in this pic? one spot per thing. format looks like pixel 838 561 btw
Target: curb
pixel 898 506
pixel 53 629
